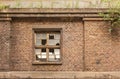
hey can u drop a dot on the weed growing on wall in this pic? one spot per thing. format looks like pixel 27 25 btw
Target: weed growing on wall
pixel 18 4
pixel 2 6
pixel 113 14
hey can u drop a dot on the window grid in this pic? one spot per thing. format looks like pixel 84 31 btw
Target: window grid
pixel 47 46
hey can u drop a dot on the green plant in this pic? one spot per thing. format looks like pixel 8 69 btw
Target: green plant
pixel 67 4
pixel 52 5
pixel 18 4
pixel 113 14
pixel 2 6
pixel 38 5
pixel 31 5
pixel 77 4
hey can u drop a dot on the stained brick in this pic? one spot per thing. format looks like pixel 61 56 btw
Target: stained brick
pixel 22 46
pixel 4 45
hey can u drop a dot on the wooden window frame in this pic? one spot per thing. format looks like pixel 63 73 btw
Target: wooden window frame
pixel 48 31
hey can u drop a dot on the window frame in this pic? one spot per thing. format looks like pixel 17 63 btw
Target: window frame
pixel 46 30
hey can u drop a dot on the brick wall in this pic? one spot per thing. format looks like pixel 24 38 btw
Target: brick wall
pixel 101 47
pixel 4 45
pixel 22 44
pixel 87 44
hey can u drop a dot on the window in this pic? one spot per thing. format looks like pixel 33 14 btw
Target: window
pixel 47 46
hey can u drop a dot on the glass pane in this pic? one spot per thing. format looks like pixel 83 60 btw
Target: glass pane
pixel 38 42
pixel 57 36
pixel 52 39
pixel 37 51
pixel 43 50
pixel 44 41
pixel 38 36
pixel 41 54
pixel 58 56
pixel 54 54
pixel 43 36
pixel 51 50
pixel 52 58
pixel 54 42
pixel 51 54
pixel 38 56
pixel 51 36
pixel 57 51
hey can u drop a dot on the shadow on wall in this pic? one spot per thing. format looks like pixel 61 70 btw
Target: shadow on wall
pixel 115 33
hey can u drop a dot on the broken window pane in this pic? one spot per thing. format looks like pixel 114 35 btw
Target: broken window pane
pixel 44 41
pixel 51 54
pixel 38 53
pixel 54 42
pixel 51 50
pixel 54 54
pixel 47 39
pixel 41 54
pixel 43 50
pixel 51 36
pixel 41 39
pixel 38 57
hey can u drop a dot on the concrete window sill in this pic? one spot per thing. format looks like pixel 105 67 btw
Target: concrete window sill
pixel 46 63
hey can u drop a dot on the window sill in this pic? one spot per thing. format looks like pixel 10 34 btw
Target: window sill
pixel 46 63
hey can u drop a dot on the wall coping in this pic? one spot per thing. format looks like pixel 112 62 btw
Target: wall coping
pixel 59 75
pixel 37 12
pixel 53 10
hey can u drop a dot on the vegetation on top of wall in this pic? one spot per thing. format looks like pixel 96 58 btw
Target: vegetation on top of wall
pixel 58 4
pixel 113 14
pixel 2 6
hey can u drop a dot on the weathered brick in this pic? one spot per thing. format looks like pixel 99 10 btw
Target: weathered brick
pixel 101 51
pixel 22 46
pixel 4 45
